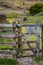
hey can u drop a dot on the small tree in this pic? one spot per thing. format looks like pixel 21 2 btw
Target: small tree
pixel 36 8
pixel 24 19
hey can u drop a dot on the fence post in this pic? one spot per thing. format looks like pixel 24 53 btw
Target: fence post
pixel 13 32
pixel 19 40
pixel 42 38
pixel 37 43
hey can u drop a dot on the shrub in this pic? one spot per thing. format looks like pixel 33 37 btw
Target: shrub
pixel 24 19
pixel 36 8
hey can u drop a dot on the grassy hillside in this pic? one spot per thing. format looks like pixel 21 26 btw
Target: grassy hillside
pixel 20 4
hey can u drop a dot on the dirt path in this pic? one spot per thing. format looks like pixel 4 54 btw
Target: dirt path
pixel 26 61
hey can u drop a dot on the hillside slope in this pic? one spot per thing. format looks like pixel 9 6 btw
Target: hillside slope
pixel 20 4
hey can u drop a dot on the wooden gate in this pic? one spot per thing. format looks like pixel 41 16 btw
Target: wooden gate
pixel 17 35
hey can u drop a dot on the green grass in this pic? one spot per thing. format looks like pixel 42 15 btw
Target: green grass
pixel 38 59
pixel 8 62
pixel 34 19
pixel 5 40
pixel 6 47
pixel 30 19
